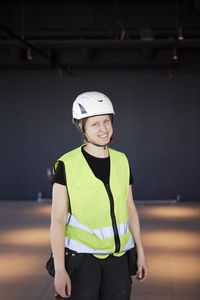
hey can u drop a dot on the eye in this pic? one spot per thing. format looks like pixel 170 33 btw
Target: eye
pixel 94 124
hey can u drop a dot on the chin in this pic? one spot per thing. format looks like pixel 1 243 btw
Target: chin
pixel 104 143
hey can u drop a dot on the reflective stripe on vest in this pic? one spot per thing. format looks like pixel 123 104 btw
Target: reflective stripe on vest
pixel 74 245
pixel 101 233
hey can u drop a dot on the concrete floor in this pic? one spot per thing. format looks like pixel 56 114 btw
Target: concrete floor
pixel 171 239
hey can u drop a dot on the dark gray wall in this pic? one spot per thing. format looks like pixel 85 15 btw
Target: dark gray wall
pixel 157 125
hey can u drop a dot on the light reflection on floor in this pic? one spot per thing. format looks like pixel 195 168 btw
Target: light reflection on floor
pixel 172 212
pixel 41 210
pixel 171 239
pixel 27 236
pixel 22 266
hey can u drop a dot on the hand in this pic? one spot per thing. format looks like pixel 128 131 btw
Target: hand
pixel 62 284
pixel 142 269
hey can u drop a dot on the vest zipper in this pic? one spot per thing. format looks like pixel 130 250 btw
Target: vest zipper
pixel 112 213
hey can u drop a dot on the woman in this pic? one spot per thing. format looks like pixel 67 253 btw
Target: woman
pixel 94 219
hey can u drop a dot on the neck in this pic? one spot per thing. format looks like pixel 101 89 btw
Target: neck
pixel 101 152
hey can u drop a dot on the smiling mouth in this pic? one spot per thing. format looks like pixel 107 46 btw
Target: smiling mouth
pixel 103 136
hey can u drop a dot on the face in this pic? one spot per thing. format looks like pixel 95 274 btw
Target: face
pixel 98 129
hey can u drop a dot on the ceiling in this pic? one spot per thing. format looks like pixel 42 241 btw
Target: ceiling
pixel 70 34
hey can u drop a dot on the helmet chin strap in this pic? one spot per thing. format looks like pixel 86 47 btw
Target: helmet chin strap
pixel 100 146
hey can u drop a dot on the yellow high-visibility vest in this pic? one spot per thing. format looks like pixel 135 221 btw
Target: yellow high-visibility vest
pixel 97 220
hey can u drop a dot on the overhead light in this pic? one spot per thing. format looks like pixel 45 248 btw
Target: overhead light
pixel 175 56
pixel 180 33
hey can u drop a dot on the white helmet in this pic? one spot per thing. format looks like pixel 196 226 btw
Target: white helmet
pixel 91 104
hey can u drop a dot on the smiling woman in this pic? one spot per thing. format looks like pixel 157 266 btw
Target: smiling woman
pixel 93 213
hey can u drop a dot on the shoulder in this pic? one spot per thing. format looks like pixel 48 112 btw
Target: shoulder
pixel 65 158
pixel 70 154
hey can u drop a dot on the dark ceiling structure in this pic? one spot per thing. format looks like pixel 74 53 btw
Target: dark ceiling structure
pixel 70 34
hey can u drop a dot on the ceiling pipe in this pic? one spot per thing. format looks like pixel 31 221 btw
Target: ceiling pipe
pixel 101 44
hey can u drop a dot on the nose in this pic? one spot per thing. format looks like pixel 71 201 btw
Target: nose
pixel 102 127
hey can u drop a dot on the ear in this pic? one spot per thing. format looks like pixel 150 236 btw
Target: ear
pixel 80 126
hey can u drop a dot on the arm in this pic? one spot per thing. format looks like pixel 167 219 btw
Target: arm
pixel 135 231
pixel 60 204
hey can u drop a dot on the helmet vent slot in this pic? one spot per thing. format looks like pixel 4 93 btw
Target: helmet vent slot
pixel 83 111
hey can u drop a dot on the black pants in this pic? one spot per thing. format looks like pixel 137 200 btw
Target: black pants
pixel 101 279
